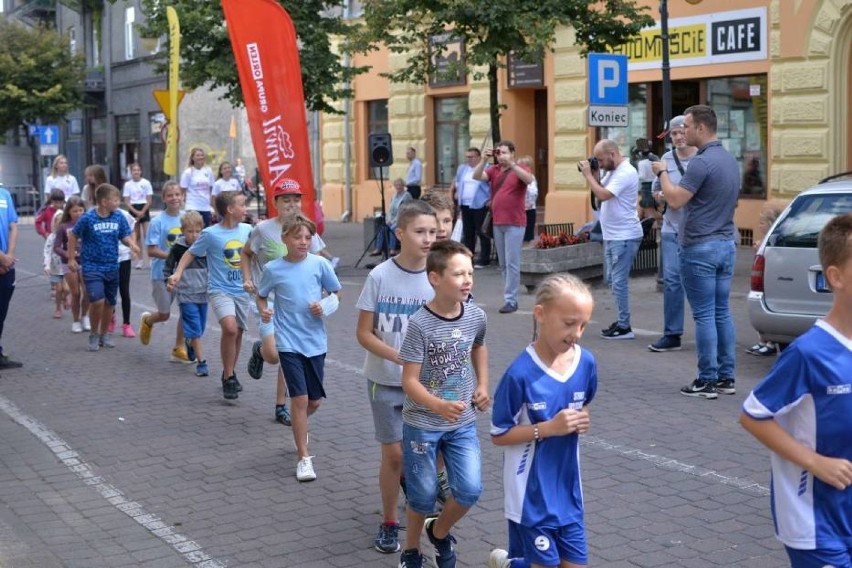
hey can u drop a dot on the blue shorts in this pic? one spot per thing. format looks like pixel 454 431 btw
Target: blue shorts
pixel 194 319
pixel 461 455
pixel 820 557
pixel 547 546
pixel 101 285
pixel 303 375
pixel 56 278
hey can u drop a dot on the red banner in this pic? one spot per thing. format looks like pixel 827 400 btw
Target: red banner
pixel 264 42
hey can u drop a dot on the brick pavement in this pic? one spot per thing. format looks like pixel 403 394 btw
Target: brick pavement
pixel 668 481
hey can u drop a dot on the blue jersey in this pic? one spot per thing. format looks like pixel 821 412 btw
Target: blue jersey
pixel 163 232
pixel 100 237
pixel 296 285
pixel 8 215
pixel 809 394
pixel 222 246
pixel 541 480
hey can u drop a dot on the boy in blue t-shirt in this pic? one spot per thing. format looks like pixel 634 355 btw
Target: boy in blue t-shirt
pixel 100 229
pixel 298 281
pixel 802 411
pixel 164 231
pixel 231 305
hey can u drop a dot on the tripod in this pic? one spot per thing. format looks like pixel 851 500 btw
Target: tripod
pixel 382 228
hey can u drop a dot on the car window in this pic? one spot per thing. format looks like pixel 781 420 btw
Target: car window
pixel 807 216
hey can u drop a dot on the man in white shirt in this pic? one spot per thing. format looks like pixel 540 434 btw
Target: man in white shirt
pixel 414 174
pixel 617 191
pixel 472 196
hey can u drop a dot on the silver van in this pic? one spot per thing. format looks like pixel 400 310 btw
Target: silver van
pixel 788 290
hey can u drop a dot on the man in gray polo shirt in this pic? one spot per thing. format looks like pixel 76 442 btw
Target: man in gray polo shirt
pixel 708 192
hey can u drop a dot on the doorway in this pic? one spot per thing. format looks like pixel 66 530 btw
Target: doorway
pixel 542 148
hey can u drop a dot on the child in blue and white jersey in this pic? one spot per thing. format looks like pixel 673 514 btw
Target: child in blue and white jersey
pixel 802 411
pixel 540 409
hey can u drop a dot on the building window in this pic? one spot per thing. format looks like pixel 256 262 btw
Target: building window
pixel 127 144
pixel 72 40
pixel 377 122
pixel 154 171
pixel 129 20
pixel 98 132
pixel 452 137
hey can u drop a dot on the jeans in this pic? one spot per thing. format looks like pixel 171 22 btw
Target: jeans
pixel 460 449
pixel 673 298
pixel 618 258
pixel 471 225
pixel 7 288
pixel 509 241
pixel 707 270
pixel 393 243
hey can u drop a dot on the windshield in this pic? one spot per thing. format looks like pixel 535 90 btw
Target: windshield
pixel 807 216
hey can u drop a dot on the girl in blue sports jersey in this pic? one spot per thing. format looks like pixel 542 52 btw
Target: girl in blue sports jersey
pixel 540 409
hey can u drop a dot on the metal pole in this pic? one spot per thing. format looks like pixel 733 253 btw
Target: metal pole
pixel 667 82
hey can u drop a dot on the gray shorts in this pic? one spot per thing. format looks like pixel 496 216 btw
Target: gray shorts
pixel 162 298
pixel 225 305
pixel 386 403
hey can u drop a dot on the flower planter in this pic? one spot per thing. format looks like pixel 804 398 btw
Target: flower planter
pixel 583 260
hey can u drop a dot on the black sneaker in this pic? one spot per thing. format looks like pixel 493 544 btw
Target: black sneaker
pixel 239 386
pixel 255 363
pixel 411 559
pixel 387 541
pixel 612 326
pixel 666 343
pixel 6 363
pixel 700 389
pixel 618 332
pixel 282 416
pixel 190 352
pixel 229 388
pixel 445 553
pixel 508 308
pixel 726 386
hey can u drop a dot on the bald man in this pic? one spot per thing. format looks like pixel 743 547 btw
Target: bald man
pixel 616 185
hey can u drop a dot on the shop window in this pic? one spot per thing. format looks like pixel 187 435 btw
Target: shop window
pixel 452 137
pixel 741 110
pixel 377 123
pixel 129 20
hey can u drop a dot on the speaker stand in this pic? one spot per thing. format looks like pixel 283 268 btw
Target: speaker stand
pixel 383 227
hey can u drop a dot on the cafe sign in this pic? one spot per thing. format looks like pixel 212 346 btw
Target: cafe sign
pixel 717 37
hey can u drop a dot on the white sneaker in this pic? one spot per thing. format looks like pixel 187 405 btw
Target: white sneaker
pixel 77 327
pixel 499 559
pixel 140 265
pixel 87 324
pixel 305 469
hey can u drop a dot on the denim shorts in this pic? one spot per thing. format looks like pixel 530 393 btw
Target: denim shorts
pixel 193 319
pixel 303 375
pixel 460 449
pixel 101 285
pixel 547 546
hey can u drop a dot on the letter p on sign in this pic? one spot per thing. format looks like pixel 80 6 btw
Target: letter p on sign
pixel 607 79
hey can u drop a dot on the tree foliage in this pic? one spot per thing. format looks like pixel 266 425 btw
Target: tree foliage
pixel 207 58
pixel 39 78
pixel 490 31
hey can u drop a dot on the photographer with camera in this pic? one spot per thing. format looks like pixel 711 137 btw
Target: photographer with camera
pixel 617 191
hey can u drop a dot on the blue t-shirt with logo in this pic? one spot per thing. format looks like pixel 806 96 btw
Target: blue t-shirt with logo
pixel 163 233
pixel 100 237
pixel 8 215
pixel 222 246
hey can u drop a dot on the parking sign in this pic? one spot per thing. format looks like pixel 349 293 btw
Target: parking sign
pixel 607 79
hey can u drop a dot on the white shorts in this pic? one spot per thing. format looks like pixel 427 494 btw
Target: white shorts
pixel 162 297
pixel 225 305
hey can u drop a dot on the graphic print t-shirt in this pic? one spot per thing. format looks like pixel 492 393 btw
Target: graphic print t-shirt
pixel 100 236
pixel 223 184
pixel 223 245
pixel 198 184
pixel 392 294
pixel 163 232
pixel 138 191
pixel 443 346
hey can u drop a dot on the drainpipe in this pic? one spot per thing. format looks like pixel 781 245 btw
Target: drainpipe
pixel 347 152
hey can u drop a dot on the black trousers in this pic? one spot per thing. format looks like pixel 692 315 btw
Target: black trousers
pixel 471 226
pixel 124 288
pixel 7 288
pixel 414 190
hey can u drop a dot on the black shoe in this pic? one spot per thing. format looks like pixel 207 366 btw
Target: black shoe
pixel 229 388
pixel 411 559
pixel 726 386
pixel 612 326
pixel 282 416
pixel 190 352
pixel 6 363
pixel 445 551
pixel 255 364
pixel 508 308
pixel 700 389
pixel 239 386
pixel 618 332
pixel 666 343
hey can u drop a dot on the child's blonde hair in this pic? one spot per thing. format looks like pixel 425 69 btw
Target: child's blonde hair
pixel 295 222
pixel 104 191
pixel 556 285
pixel 171 184
pixel 439 201
pixel 526 161
pixel 191 219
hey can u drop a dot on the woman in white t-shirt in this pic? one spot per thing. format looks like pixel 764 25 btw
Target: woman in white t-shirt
pixel 138 195
pixel 59 178
pixel 197 181
pixel 224 182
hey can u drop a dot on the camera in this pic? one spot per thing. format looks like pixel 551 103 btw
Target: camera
pixel 593 163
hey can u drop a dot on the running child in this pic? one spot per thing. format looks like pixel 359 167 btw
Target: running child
pixel 394 290
pixel 802 412
pixel 298 280
pixel 192 291
pixel 162 234
pixel 445 379
pixel 73 210
pixel 540 409
pixel 221 243
pixel 100 230
pixel 124 268
pixel 138 195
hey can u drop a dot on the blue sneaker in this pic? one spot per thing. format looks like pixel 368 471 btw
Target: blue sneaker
pixel 282 416
pixel 387 541
pixel 201 369
pixel 411 559
pixel 190 352
pixel 445 552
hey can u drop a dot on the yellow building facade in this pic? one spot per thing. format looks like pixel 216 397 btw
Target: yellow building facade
pixel 777 72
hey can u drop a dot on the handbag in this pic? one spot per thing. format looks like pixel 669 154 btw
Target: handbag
pixel 487 229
